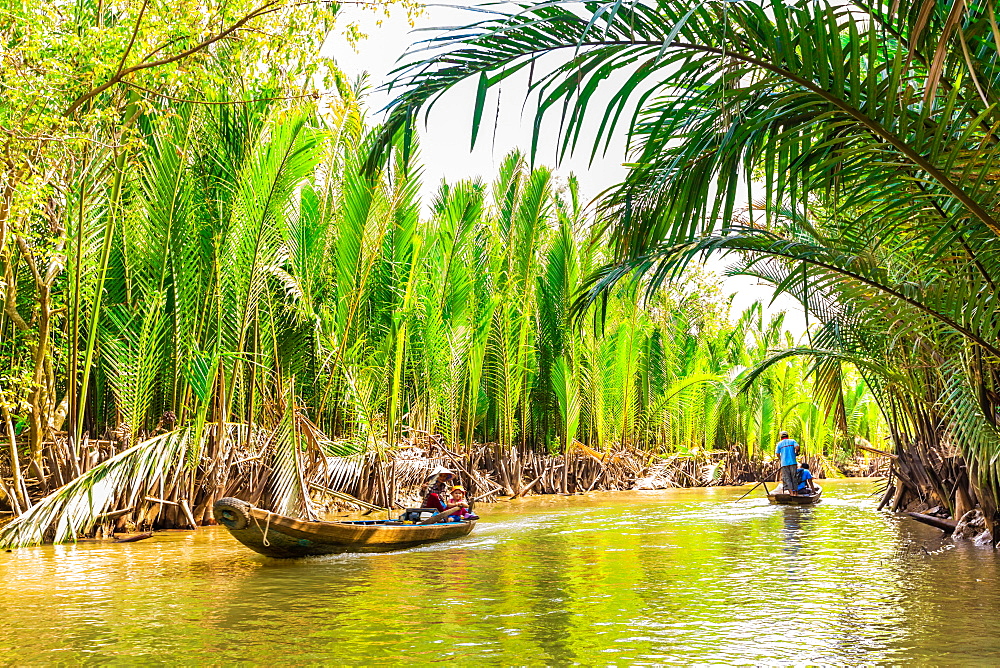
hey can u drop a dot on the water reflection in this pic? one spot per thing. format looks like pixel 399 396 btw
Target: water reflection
pixel 794 519
pixel 658 577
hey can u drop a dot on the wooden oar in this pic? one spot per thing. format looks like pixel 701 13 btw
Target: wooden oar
pixel 434 519
pixel 752 489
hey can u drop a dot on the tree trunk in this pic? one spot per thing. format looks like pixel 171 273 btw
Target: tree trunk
pixel 963 503
pixel 20 489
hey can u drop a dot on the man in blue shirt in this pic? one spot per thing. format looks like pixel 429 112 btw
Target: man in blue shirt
pixel 806 485
pixel 788 450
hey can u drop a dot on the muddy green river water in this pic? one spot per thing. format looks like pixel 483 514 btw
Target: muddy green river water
pixel 679 577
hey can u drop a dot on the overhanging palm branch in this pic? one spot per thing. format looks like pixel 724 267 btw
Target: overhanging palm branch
pixel 127 477
pixel 804 95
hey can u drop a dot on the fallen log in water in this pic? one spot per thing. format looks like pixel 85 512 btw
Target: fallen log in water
pixel 187 513
pixel 942 523
pixel 136 537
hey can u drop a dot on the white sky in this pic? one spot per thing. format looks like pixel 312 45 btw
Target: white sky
pixel 445 139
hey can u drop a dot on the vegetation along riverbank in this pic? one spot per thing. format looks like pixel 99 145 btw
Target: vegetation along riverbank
pixel 864 135
pixel 341 343
pixel 220 279
pixel 206 294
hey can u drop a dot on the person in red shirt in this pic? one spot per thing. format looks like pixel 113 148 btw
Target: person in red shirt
pixel 436 491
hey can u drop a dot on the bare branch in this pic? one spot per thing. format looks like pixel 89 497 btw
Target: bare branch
pixel 267 8
pixel 30 259
pixel 10 300
pixel 135 34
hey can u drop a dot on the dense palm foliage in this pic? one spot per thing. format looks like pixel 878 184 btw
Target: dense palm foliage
pixel 207 295
pixel 865 135
pixel 246 301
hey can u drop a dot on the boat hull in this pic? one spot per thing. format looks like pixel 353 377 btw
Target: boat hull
pixel 284 537
pixel 780 497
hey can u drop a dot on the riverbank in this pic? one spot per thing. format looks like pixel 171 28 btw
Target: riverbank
pixel 385 480
pixel 489 474
pixel 645 577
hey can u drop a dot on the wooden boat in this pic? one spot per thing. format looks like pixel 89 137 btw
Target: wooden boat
pixel 284 537
pixel 780 496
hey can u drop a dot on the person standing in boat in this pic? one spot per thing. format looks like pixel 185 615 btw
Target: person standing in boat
pixel 788 451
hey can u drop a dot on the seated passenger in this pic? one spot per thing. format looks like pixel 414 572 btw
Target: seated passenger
pixel 806 484
pixel 458 501
pixel 435 491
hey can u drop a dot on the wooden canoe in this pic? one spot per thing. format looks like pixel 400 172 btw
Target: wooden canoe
pixel 781 497
pixel 286 537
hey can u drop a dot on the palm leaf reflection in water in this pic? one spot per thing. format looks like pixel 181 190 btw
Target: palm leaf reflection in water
pixel 655 577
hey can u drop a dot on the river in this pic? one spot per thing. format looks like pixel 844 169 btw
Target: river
pixel 678 576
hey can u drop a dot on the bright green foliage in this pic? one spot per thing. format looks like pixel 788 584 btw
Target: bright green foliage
pixel 865 137
pixel 227 268
pixel 258 272
pixel 83 83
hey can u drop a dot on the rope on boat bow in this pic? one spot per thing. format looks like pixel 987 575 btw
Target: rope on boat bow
pixel 267 525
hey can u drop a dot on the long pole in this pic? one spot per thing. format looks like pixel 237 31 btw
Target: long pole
pixel 752 489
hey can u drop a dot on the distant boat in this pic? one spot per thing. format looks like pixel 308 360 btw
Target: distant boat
pixel 780 496
pixel 286 537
